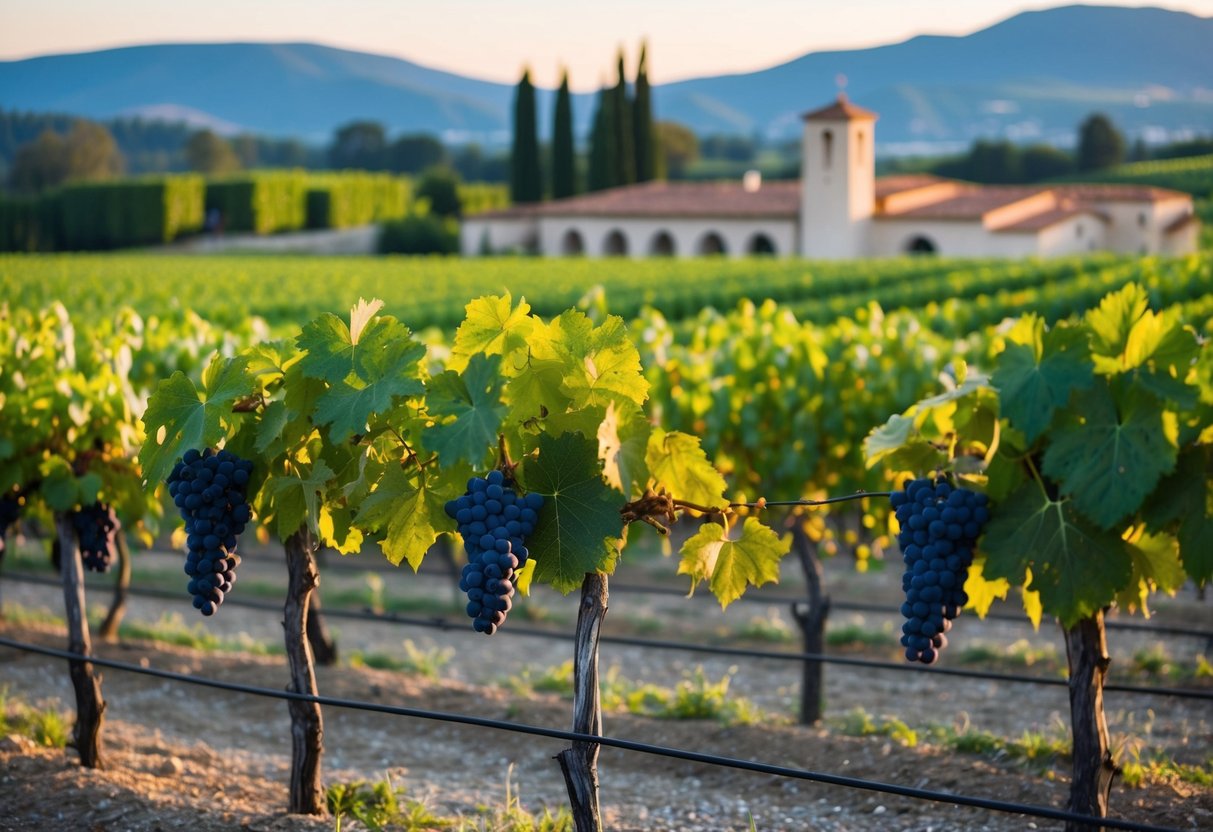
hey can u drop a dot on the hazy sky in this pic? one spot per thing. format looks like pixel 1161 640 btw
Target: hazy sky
pixel 494 39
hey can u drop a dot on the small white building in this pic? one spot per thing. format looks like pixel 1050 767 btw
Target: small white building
pixel 840 210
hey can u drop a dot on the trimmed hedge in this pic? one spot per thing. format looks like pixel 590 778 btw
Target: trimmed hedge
pixel 478 197
pixel 262 202
pixel 350 198
pixel 419 234
pixel 29 223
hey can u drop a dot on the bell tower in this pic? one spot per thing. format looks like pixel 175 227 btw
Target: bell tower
pixel 837 181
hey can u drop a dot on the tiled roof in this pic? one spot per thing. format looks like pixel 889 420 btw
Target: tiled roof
pixel 674 199
pixel 972 203
pixel 1180 223
pixel 889 185
pixel 841 110
pixel 1044 219
pixel 1116 193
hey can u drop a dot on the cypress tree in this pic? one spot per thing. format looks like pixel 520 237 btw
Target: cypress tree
pixel 642 124
pixel 526 179
pixel 564 161
pixel 604 161
pixel 625 152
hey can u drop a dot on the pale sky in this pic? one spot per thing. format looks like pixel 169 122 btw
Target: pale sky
pixel 494 39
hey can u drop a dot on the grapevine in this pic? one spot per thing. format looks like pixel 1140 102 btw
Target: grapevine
pixel 209 489
pixel 10 510
pixel 939 530
pixel 494 522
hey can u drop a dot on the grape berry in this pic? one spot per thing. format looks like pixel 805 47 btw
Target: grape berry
pixel 209 488
pixel 95 526
pixel 939 528
pixel 494 522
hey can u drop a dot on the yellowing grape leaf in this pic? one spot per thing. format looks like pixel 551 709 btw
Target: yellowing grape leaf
pixel 623 437
pixel 337 530
pixel 601 363
pixel 680 466
pixel 493 326
pixel 408 515
pixel 984 592
pixel 730 566
pixel 1156 567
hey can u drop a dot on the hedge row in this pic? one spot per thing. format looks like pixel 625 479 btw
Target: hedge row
pixel 349 199
pixel 90 216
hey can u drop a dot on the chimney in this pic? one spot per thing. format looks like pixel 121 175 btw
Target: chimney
pixel 751 182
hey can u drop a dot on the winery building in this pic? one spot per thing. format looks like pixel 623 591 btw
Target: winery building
pixel 839 210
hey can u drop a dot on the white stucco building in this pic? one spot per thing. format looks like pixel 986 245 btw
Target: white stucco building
pixel 839 209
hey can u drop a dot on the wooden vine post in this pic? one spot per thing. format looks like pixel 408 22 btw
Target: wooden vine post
pixel 1094 770
pixel 324 646
pixel 307 724
pixel 122 587
pixel 90 706
pixel 580 762
pixel 811 616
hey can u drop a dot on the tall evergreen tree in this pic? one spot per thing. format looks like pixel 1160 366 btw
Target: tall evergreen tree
pixel 564 160
pixel 1100 144
pixel 625 144
pixel 526 179
pixel 604 157
pixel 645 140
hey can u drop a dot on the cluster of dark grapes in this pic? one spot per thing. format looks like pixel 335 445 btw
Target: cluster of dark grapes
pixel 95 526
pixel 209 488
pixel 10 510
pixel 939 528
pixel 494 522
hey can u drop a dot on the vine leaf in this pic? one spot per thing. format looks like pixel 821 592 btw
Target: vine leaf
pixel 1183 503
pixel 1156 566
pixel 492 326
pixel 1075 567
pixel 59 487
pixel 364 373
pixel 602 365
pixel 410 516
pixel 623 437
pixel 1038 371
pixel 337 530
pixel 180 417
pixel 677 462
pixel 729 566
pixel 474 399
pixel 296 498
pixel 984 592
pixel 1108 458
pixel 579 526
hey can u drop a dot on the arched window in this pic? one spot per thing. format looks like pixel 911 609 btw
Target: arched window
pixel 761 244
pixel 573 244
pixel 712 244
pixel 921 244
pixel 827 148
pixel 662 245
pixel 616 244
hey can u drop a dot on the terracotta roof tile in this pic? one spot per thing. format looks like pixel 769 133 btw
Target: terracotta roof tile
pixel 1180 223
pixel 972 203
pixel 1114 192
pixel 1044 219
pixel 889 185
pixel 680 199
pixel 840 110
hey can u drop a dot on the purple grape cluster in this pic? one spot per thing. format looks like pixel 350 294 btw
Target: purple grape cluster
pixel 494 522
pixel 209 489
pixel 10 510
pixel 95 526
pixel 939 528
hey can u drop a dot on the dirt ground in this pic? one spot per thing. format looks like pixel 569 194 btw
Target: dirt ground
pixel 189 757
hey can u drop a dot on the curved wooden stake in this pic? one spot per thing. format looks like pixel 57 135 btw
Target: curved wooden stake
pixel 90 707
pixel 580 763
pixel 811 615
pixel 1094 770
pixel 122 586
pixel 307 725
pixel 324 647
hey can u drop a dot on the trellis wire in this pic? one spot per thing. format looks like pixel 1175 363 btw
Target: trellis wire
pixel 610 742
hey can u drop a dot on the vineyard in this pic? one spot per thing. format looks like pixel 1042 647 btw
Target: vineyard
pixel 542 440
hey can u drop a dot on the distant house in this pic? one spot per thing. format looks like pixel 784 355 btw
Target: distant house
pixel 839 209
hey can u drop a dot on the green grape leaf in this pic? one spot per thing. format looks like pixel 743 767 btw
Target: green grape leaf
pixel 729 566
pixel 579 526
pixel 1183 504
pixel 60 489
pixel 1076 568
pixel 602 365
pixel 474 399
pixel 179 417
pixel 1112 321
pixel 537 389
pixel 1156 567
pixel 270 428
pixel 410 516
pixel 1037 374
pixel 491 326
pixel 337 530
pixel 889 437
pixel 296 499
pixel 677 462
pixel 623 438
pixel 1108 458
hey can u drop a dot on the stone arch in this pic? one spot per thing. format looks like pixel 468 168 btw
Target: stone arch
pixel 921 244
pixel 711 243
pixel 662 244
pixel 615 244
pixel 761 244
pixel 572 243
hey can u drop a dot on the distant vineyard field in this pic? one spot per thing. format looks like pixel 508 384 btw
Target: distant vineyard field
pixel 227 290
pixel 1191 174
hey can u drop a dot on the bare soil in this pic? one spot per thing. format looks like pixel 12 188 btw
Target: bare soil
pixel 190 757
